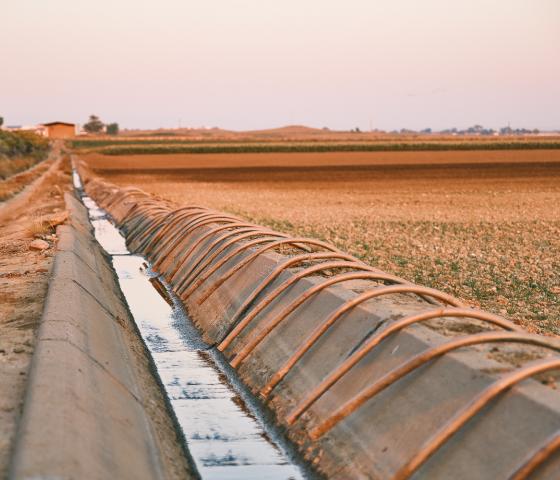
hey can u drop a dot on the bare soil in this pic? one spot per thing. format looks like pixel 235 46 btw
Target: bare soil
pixel 24 275
pixel 482 225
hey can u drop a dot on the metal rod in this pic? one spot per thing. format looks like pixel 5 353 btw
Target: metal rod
pixel 290 262
pixel 296 242
pixel 180 228
pixel 417 361
pixel 470 410
pixel 206 259
pixel 270 238
pixel 285 285
pixel 259 336
pixel 538 457
pixel 186 235
pixel 155 244
pixel 348 305
pixel 375 340
pixel 186 255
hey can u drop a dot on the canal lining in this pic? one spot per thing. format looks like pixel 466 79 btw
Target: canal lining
pixel 240 444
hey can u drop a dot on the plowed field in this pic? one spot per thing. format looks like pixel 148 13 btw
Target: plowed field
pixel 483 225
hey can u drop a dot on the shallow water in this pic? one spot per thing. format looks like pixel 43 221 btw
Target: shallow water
pixel 227 437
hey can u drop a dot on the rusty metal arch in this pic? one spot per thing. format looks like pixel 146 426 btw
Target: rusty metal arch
pixel 205 260
pixel 537 457
pixel 173 224
pixel 284 286
pixel 303 297
pixel 142 235
pixel 470 410
pixel 376 339
pixel 290 262
pixel 142 220
pixel 265 237
pixel 190 230
pixel 297 242
pixel 418 361
pixel 192 248
pixel 174 216
pixel 181 227
pixel 321 329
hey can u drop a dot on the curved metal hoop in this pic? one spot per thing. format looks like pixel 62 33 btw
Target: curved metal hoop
pixel 416 362
pixel 181 228
pixel 469 411
pixel 259 336
pixel 206 258
pixel 538 457
pixel 375 340
pixel 350 304
pixel 186 255
pixel 298 242
pixel 269 238
pixel 185 236
pixel 290 262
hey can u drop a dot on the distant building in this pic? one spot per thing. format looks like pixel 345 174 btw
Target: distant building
pixel 60 129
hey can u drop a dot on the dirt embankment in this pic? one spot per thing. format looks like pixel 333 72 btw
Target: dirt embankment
pixel 26 249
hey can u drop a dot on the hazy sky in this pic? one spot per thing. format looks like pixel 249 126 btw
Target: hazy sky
pixel 247 64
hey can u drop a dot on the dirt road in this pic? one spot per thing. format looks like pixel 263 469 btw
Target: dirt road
pixel 24 274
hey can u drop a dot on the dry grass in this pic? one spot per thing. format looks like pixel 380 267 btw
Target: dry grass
pixel 486 231
pixel 14 184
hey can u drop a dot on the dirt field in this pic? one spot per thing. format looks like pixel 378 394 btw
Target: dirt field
pixel 484 226
pixel 23 285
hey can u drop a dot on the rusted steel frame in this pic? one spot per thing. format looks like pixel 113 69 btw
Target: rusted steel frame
pixel 265 237
pixel 177 228
pixel 173 223
pixel 143 228
pixel 186 232
pixel 259 336
pixel 299 242
pixel 268 299
pixel 182 233
pixel 161 222
pixel 176 216
pixel 206 259
pixel 375 340
pixel 123 196
pixel 433 444
pixel 142 219
pixel 185 256
pixel 345 307
pixel 290 262
pixel 538 457
pixel 418 361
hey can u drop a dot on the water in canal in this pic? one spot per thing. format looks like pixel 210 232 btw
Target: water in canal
pixel 226 435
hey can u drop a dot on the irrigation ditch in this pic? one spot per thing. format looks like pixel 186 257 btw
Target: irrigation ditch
pixel 227 435
pixel 197 344
pixel 369 375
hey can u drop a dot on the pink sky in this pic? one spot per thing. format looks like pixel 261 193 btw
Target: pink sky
pixel 248 64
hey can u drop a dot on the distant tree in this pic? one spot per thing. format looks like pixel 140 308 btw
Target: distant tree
pixel 112 128
pixel 94 125
pixel 426 130
pixel 1 121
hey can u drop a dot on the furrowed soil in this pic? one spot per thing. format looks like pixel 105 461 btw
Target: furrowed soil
pixel 481 225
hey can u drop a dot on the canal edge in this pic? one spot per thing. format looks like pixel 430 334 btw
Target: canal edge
pixel 94 406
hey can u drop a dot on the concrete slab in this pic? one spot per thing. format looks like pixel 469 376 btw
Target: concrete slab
pixel 93 409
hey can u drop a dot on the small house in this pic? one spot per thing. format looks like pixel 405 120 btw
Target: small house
pixel 60 129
